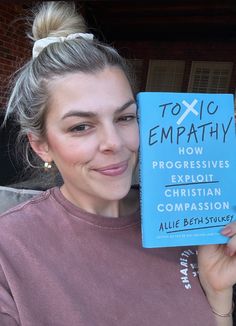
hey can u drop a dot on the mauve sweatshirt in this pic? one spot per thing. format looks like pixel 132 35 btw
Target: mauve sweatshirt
pixel 61 266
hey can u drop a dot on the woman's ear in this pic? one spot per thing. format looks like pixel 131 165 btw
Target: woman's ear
pixel 40 147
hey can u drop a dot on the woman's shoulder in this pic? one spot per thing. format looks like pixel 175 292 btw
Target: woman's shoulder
pixel 11 197
pixel 27 219
pixel 16 203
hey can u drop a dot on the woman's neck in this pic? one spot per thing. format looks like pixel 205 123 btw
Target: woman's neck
pixel 112 209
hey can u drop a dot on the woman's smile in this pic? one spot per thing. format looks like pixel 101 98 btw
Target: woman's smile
pixel 114 169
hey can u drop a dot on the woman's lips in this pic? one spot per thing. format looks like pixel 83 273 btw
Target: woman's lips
pixel 114 169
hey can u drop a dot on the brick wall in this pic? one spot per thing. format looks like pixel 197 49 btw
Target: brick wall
pixel 15 49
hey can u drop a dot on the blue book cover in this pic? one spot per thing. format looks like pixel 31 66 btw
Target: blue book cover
pixel 187 167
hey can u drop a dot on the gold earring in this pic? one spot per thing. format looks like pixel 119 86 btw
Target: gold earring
pixel 47 165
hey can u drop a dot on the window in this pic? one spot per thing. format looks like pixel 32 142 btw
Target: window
pixel 165 75
pixel 210 77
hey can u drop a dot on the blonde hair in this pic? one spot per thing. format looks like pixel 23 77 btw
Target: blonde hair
pixel 57 19
pixel 29 98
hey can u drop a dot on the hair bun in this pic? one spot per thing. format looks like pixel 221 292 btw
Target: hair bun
pixel 56 18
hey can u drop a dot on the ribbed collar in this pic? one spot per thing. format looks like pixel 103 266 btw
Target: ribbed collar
pixel 97 220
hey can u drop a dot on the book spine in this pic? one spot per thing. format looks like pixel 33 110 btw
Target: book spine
pixel 141 177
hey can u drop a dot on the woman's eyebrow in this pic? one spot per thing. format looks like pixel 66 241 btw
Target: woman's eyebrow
pixel 77 113
pixel 90 114
pixel 126 105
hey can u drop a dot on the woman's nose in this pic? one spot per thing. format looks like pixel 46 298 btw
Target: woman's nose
pixel 111 140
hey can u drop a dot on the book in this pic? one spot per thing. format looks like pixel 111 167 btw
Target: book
pixel 187 167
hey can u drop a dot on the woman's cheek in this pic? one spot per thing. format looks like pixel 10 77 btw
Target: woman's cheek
pixel 135 139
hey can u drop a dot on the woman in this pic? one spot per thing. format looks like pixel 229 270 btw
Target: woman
pixel 73 255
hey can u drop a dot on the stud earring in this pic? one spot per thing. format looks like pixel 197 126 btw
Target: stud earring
pixel 47 165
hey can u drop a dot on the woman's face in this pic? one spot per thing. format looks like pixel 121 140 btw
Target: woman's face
pixel 92 135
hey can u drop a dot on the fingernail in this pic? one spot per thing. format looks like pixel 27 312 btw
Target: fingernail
pixel 227 231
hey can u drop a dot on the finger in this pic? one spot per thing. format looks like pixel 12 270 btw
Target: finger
pixel 229 230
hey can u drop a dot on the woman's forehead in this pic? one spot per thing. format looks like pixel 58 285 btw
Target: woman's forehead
pixel 90 92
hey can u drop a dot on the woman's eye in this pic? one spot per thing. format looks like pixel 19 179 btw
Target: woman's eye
pixel 80 128
pixel 127 118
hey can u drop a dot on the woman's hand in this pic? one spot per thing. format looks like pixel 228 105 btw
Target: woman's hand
pixel 217 273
